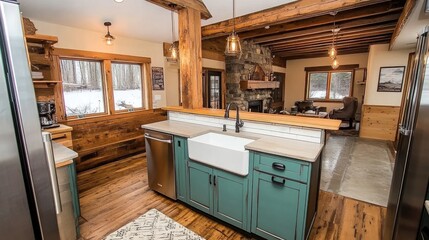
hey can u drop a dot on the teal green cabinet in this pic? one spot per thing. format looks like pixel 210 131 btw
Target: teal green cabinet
pixel 278 207
pixel 200 187
pixel 181 159
pixel 219 193
pixel 284 198
pixel 75 194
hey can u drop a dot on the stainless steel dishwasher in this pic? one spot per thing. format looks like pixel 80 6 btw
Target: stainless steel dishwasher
pixel 160 163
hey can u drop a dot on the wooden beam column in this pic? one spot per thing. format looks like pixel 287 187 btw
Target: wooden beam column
pixel 190 57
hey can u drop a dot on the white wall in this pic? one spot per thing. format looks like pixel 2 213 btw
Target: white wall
pixel 80 39
pixel 380 56
pixel 296 76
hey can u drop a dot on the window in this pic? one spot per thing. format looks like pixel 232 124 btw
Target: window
pixel 95 84
pixel 127 86
pixel 82 87
pixel 329 85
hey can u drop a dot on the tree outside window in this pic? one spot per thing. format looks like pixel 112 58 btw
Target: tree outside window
pixel 329 85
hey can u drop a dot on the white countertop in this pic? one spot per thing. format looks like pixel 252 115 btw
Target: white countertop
pixel 62 153
pixel 297 149
pixel 427 205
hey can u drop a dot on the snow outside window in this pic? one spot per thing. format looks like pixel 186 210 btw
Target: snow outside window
pixel 331 85
pixel 82 87
pixel 127 86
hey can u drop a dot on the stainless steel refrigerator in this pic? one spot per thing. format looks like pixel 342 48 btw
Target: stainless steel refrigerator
pixel 27 208
pixel 411 171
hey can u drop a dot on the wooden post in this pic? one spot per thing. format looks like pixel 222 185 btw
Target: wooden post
pixel 190 57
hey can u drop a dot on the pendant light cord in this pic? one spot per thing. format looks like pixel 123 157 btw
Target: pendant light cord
pixel 172 25
pixel 233 16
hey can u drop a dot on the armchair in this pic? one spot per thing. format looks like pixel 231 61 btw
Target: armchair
pixel 347 112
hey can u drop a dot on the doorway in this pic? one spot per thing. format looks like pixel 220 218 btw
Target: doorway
pixel 213 88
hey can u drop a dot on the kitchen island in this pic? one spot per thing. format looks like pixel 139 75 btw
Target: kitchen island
pixel 276 197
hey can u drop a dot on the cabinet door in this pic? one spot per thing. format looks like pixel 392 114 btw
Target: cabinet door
pixel 278 210
pixel 181 158
pixel 231 199
pixel 200 187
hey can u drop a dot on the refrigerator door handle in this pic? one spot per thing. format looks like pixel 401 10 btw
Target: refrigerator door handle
pixel 404 131
pixel 47 142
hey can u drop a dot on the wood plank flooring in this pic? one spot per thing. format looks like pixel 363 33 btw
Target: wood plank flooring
pixel 114 194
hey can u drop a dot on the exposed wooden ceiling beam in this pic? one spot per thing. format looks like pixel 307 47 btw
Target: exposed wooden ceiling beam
pixel 296 43
pixel 284 13
pixel 384 38
pixel 323 54
pixel 408 8
pixel 353 14
pixel 325 50
pixel 365 31
pixel 194 4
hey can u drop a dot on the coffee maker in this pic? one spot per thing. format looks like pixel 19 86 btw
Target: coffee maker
pixel 47 114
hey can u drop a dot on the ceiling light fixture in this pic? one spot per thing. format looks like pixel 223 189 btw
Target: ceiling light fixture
pixel 333 50
pixel 119 1
pixel 233 47
pixel 174 50
pixel 108 37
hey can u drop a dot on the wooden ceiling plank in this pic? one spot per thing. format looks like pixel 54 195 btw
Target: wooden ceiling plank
pixel 385 38
pixel 408 8
pixel 323 49
pixel 323 54
pixel 283 13
pixel 369 31
pixel 364 12
pixel 323 29
pixel 194 4
pixel 329 41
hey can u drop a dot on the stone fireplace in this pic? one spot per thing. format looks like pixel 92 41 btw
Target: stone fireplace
pixel 254 60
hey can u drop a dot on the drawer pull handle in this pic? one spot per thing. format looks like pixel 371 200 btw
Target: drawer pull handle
pixel 210 179
pixel 64 135
pixel 277 182
pixel 279 166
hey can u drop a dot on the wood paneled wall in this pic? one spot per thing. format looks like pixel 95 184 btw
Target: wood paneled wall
pixel 379 122
pixel 104 139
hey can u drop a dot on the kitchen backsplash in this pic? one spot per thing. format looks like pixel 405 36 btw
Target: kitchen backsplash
pixel 275 130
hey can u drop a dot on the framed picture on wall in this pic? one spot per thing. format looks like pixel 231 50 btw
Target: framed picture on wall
pixel 390 79
pixel 157 78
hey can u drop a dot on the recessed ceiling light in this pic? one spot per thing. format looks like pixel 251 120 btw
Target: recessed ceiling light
pixel 119 1
pixel 267 27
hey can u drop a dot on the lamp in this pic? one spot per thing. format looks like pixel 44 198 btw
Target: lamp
pixel 173 48
pixel 108 37
pixel 333 50
pixel 335 64
pixel 233 47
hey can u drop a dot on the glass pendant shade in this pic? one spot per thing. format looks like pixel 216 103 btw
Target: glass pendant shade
pixel 108 37
pixel 233 46
pixel 335 64
pixel 332 52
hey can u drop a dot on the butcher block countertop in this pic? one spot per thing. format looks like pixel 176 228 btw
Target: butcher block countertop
pixel 320 123
pixel 306 151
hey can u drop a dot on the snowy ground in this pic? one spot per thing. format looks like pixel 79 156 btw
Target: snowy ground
pixel 91 101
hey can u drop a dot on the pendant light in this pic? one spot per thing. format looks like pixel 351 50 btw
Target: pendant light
pixel 108 37
pixel 335 64
pixel 174 50
pixel 233 47
pixel 333 51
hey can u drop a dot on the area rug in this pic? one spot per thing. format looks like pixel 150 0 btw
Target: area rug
pixel 357 168
pixel 153 225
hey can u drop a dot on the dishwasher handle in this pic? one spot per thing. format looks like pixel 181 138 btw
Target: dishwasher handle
pixel 146 135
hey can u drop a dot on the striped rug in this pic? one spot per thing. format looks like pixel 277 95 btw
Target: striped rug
pixel 153 225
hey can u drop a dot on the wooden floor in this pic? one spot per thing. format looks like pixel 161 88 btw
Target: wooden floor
pixel 114 194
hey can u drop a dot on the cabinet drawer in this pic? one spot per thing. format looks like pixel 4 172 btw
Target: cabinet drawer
pixel 64 138
pixel 281 166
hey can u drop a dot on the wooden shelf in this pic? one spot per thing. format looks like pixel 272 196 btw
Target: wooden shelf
pixel 42 39
pixel 44 83
pixel 257 84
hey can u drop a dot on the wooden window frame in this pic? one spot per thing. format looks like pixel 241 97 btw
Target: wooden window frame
pixel 106 60
pixel 329 70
